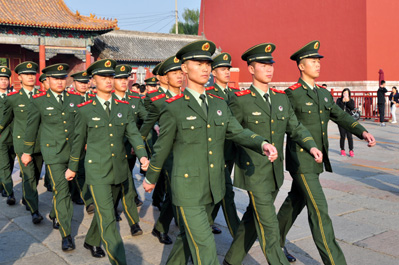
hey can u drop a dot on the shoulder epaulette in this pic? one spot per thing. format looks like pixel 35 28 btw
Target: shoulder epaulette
pixel 321 86
pixel 152 92
pixel 142 97
pixel 209 88
pixel 277 91
pixel 39 95
pixel 133 96
pixel 12 93
pixel 41 90
pixel 243 93
pixel 293 87
pixel 212 95
pixel 234 88
pixel 85 103
pixel 74 93
pixel 91 95
pixel 132 91
pixel 158 97
pixel 121 101
pixel 174 98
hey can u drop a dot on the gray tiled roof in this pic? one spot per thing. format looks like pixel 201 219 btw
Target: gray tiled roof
pixel 137 46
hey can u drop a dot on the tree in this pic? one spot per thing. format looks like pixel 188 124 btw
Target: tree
pixel 190 24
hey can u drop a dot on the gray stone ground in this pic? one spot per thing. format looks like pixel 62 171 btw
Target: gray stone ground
pixel 363 204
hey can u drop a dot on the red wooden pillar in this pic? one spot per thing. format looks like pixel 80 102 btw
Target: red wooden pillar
pixel 88 58
pixel 42 57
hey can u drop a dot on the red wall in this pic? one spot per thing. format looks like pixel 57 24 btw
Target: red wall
pixel 339 25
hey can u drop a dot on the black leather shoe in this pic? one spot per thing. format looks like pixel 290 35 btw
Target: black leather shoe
pixel 67 243
pixel 216 229
pixel 158 205
pixel 26 205
pixel 90 208
pixel 96 252
pixel 4 193
pixel 138 201
pixel 36 217
pixel 11 199
pixel 118 217
pixel 162 237
pixel 225 262
pixel 56 225
pixel 290 258
pixel 135 230
pixel 79 201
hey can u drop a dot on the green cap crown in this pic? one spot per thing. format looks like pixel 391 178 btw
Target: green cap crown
pixel 223 59
pixel 5 72
pixel 151 81
pixel 123 71
pixel 200 50
pixel 82 77
pixel 56 70
pixel 155 71
pixel 170 64
pixel 42 77
pixel 26 68
pixel 105 67
pixel 261 53
pixel 310 50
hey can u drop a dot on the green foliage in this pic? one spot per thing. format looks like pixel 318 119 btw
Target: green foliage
pixel 190 24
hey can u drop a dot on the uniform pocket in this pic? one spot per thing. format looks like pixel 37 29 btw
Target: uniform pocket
pixel 192 131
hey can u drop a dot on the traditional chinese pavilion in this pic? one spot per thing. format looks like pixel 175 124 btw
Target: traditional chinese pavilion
pixel 47 32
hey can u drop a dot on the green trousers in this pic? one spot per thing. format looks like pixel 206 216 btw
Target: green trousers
pixel 104 197
pixel 306 190
pixel 227 203
pixel 196 238
pixel 30 179
pixel 7 158
pixel 259 221
pixel 78 186
pixel 128 193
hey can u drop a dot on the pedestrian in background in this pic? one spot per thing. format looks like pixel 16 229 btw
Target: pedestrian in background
pixel 394 100
pixel 368 102
pixel 381 102
pixel 346 103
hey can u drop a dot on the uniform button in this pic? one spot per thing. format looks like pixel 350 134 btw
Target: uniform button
pixel 192 127
pixel 186 175
pixel 225 165
pixel 222 123
pixel 66 130
pixel 273 144
pixel 63 113
pixel 23 111
pixel 96 126
pixel 272 132
pixel 122 123
pixel 301 150
pixel 321 111
pixel 18 136
pixel 210 152
pixel 208 126
pixel 111 135
pixel 112 144
pixel 112 154
pixel 248 163
pixel 283 118
pixel 90 161
pixel 256 122
pixel 310 111
pixel 272 121
pixel 322 122
pixel 64 122
pixel 126 156
pixel 110 125
pixel 323 133
pixel 210 139
pixel 47 145
pixel 211 165
pixel 48 114
pixel 67 139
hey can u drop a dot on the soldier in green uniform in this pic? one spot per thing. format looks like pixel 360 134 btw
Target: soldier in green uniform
pixel 81 84
pixel 195 125
pixel 15 110
pixel 101 124
pixel 44 81
pixel 53 112
pixel 7 154
pixel 268 112
pixel 314 107
pixel 221 71
pixel 128 192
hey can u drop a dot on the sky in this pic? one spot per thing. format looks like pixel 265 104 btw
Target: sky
pixel 144 15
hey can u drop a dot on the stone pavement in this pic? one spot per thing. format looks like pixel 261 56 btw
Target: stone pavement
pixel 363 203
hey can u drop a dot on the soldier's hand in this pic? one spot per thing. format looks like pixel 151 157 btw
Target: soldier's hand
pixel 369 138
pixel 69 174
pixel 270 151
pixel 26 159
pixel 144 163
pixel 148 187
pixel 156 128
pixel 317 154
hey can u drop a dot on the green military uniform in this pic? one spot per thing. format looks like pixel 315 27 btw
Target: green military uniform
pixel 7 154
pixel 105 161
pixel 227 203
pixel 15 109
pixel 54 114
pixel 196 134
pixel 314 107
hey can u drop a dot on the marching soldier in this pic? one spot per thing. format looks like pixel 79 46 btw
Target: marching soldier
pixel 314 107
pixel 81 84
pixel 268 112
pixel 7 154
pixel 15 110
pixel 195 125
pixel 221 71
pixel 44 81
pixel 102 124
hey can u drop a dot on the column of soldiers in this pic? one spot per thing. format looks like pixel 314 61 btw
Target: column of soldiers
pixel 194 138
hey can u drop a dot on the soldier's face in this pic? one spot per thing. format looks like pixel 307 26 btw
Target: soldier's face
pixel 103 84
pixel 175 78
pixel 262 72
pixel 197 71
pixel 27 79
pixel 121 84
pixel 46 84
pixel 57 84
pixel 163 80
pixel 222 74
pixel 81 87
pixel 4 83
pixel 310 67
pixel 150 88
